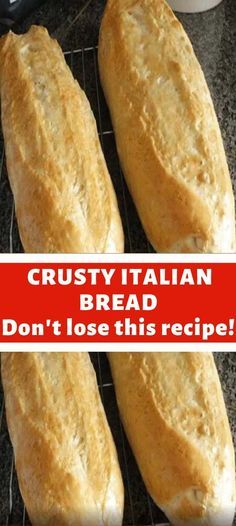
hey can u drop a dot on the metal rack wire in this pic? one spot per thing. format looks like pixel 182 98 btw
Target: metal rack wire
pixel 83 63
pixel 139 508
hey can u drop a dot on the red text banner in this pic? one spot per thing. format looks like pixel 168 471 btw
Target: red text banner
pixel 117 301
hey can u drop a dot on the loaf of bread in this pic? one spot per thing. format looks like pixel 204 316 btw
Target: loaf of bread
pixel 167 134
pixel 174 415
pixel 63 194
pixel 65 457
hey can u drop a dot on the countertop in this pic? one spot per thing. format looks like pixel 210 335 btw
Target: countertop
pixel 76 24
pixel 139 508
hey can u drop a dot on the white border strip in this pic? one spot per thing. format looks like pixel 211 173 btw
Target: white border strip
pixel 118 258
pixel 121 347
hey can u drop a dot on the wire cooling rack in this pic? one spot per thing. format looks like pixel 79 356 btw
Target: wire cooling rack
pixel 83 63
pixel 139 508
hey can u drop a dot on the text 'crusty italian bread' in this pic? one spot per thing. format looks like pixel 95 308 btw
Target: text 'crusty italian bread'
pixel 166 130
pixel 63 194
pixel 65 457
pixel 174 415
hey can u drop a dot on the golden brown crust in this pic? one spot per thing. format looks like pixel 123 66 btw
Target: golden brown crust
pixel 63 193
pixel 65 457
pixel 167 133
pixel 173 411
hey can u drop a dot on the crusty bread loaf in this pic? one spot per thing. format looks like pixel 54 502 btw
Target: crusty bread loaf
pixel 63 194
pixel 167 133
pixel 65 457
pixel 173 412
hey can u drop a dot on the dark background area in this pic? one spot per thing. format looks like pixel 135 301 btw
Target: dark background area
pixel 75 24
pixel 139 508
